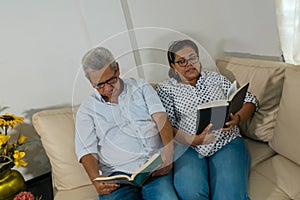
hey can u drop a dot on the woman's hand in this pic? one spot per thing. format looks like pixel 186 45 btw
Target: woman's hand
pixel 205 137
pixel 234 120
pixel 105 187
pixel 242 115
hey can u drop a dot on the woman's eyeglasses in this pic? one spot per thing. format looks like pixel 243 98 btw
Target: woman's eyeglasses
pixel 183 62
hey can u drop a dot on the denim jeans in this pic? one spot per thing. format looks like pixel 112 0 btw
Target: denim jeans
pixel 223 175
pixel 155 189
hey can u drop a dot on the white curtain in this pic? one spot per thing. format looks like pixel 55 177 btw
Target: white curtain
pixel 288 18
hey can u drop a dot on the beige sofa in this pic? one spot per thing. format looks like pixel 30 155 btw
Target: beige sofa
pixel 273 137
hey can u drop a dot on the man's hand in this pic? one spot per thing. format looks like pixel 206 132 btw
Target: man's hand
pixel 105 187
pixel 91 165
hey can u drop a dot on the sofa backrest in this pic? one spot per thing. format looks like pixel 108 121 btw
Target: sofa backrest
pixel 57 132
pixel 266 81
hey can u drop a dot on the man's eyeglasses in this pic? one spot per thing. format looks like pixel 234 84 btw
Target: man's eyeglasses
pixel 110 81
pixel 183 62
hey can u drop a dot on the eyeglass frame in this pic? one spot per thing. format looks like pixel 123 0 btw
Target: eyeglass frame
pixel 110 82
pixel 196 57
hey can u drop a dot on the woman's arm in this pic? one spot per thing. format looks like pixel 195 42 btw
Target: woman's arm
pixel 193 140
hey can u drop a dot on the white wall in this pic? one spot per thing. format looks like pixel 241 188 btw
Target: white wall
pixel 231 26
pixel 42 43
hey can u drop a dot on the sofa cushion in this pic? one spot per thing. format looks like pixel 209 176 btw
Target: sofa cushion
pixel 259 151
pixel 275 179
pixel 287 130
pixel 57 131
pixel 266 80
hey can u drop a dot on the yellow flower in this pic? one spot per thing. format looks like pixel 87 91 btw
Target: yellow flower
pixel 4 152
pixel 21 139
pixel 11 146
pixel 18 155
pixel 10 120
pixel 2 121
pixel 11 149
pixel 3 139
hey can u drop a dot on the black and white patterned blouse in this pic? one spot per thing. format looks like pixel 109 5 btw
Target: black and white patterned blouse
pixel 181 102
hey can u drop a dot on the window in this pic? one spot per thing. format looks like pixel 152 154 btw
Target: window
pixel 288 18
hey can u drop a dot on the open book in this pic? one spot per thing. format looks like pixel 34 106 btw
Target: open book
pixel 217 112
pixel 139 176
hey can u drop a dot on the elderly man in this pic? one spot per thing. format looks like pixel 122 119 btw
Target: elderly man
pixel 119 127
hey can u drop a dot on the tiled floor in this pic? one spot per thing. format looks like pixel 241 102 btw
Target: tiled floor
pixel 41 185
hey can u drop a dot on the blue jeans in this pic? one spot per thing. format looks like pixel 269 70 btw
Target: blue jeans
pixel 156 188
pixel 223 175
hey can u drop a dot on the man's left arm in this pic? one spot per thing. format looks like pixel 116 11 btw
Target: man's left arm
pixel 160 117
pixel 166 133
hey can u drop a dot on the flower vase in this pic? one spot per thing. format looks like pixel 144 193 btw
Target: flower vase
pixel 11 181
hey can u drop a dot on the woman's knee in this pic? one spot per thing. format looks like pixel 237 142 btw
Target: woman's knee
pixel 191 191
pixel 191 176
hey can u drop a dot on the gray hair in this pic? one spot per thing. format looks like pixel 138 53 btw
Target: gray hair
pixel 96 59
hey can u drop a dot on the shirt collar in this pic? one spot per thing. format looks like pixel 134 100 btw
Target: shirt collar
pixel 202 79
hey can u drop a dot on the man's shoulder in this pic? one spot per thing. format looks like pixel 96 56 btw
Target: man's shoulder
pixel 87 103
pixel 135 81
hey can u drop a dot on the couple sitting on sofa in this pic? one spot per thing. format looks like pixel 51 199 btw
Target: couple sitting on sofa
pixel 125 122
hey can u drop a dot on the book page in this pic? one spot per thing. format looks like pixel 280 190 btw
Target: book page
pixel 232 89
pixel 216 103
pixel 137 177
pixel 112 178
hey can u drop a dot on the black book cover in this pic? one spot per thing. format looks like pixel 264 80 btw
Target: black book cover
pixel 217 112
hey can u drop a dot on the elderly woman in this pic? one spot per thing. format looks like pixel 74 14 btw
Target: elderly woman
pixel 216 169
